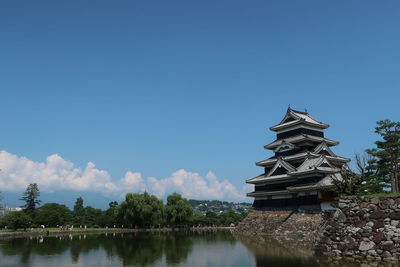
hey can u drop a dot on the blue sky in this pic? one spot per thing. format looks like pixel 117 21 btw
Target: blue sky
pixel 178 89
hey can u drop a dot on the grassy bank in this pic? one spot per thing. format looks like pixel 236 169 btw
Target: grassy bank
pixel 389 194
pixel 57 231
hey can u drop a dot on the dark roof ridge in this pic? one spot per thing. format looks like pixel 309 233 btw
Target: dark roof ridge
pixel 304 113
pixel 298 111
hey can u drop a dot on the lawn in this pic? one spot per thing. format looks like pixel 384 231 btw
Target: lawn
pixel 389 194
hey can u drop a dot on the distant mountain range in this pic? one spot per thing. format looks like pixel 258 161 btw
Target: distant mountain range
pixel 217 206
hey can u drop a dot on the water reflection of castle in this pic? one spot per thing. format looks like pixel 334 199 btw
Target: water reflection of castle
pixel 300 173
pixel 269 252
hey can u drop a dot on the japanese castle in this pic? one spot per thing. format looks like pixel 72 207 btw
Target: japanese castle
pixel 300 173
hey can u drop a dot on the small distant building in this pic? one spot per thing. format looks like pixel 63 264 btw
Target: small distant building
pixel 10 209
pixel 6 210
pixel 301 171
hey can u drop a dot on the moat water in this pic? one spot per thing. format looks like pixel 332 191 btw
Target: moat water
pixel 219 248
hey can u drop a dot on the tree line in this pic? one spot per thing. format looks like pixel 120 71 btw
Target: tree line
pixel 138 210
pixel 377 169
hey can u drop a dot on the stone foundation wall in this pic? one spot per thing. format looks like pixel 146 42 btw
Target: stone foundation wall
pixel 261 222
pixel 282 225
pixel 364 228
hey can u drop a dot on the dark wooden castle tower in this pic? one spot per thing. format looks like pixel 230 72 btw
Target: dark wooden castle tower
pixel 301 171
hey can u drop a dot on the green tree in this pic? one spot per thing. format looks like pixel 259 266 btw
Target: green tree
pixel 79 211
pixel 92 216
pixel 143 210
pixel 109 215
pixel 15 220
pixel 198 219
pixel 386 155
pixel 178 210
pixel 211 217
pixel 30 197
pixel 367 171
pixel 1 201
pixel 347 183
pixel 78 206
pixel 113 205
pixel 229 217
pixel 88 215
pixel 53 214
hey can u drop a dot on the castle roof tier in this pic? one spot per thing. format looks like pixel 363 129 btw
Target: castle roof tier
pixel 301 140
pixel 303 167
pixel 324 184
pixel 313 164
pixel 294 118
pixel 299 156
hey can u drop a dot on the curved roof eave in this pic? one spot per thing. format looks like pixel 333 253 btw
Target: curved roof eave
pixel 296 122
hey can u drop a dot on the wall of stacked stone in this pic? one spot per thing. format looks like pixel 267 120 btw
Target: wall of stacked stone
pixel 282 225
pixel 364 228
pixel 259 222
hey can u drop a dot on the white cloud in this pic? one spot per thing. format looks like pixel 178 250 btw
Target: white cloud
pixel 57 173
pixel 132 181
pixel 193 185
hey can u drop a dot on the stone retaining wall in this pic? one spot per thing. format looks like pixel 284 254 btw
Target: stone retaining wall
pixel 261 222
pixel 282 225
pixel 363 227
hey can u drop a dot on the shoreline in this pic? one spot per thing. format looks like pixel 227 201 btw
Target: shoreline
pixel 44 232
